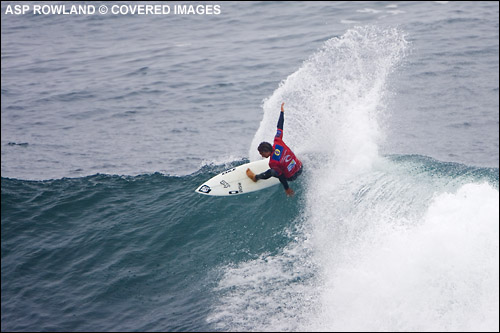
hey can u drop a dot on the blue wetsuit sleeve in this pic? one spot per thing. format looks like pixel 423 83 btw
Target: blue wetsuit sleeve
pixel 281 120
pixel 282 178
pixel 283 182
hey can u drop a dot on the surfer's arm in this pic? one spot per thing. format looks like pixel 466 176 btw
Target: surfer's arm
pixel 282 118
pixel 281 121
pixel 284 182
pixel 279 133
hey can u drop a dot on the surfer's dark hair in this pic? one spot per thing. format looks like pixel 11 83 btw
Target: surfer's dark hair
pixel 265 147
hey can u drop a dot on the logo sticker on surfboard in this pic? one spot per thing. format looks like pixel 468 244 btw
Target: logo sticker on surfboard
pixel 205 189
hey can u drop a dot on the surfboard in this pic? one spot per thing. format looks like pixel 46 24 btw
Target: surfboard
pixel 235 181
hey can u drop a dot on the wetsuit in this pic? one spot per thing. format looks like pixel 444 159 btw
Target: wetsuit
pixel 283 163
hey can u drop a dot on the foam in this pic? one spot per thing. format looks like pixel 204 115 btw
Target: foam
pixel 381 248
pixel 333 102
pixel 439 274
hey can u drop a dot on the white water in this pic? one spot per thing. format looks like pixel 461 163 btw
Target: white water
pixel 333 102
pixel 383 245
pixel 406 261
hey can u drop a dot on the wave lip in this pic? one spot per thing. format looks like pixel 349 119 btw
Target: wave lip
pixel 334 102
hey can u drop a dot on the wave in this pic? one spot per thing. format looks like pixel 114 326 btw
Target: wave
pixel 410 245
pixel 76 249
pixel 414 234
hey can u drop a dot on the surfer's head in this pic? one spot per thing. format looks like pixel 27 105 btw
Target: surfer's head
pixel 265 149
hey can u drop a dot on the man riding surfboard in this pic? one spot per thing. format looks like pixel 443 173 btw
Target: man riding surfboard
pixel 283 164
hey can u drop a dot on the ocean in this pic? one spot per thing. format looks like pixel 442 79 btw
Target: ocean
pixel 112 117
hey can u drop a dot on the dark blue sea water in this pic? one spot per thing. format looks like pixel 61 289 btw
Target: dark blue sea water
pixel 109 122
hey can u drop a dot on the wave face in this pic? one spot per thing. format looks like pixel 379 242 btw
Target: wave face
pixel 120 253
pixel 411 244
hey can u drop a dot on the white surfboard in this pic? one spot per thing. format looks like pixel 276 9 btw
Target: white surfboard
pixel 235 180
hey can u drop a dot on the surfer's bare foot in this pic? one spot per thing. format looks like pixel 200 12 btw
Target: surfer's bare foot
pixel 251 175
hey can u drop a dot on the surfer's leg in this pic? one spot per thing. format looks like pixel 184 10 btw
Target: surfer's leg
pixel 295 175
pixel 265 175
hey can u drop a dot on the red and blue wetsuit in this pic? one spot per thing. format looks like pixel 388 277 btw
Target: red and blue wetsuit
pixel 283 162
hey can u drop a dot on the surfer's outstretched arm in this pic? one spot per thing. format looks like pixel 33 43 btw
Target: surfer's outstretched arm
pixel 282 118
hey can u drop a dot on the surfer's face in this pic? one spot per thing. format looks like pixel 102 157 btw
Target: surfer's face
pixel 265 154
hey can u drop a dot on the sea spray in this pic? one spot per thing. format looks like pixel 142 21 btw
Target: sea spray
pixel 331 108
pixel 383 243
pixel 332 103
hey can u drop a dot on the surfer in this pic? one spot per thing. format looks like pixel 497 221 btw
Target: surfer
pixel 283 164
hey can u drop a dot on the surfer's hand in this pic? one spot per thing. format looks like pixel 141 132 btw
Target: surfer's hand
pixel 251 175
pixel 289 192
pixel 282 110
